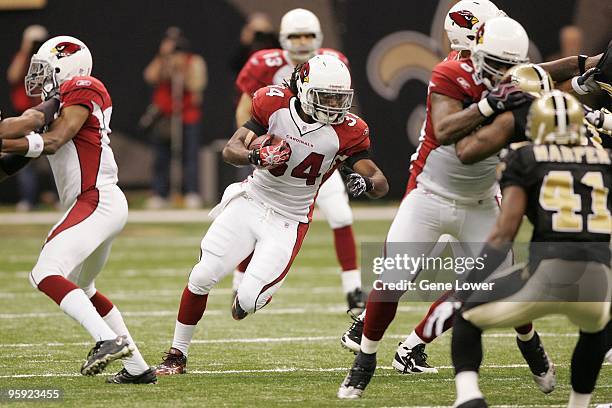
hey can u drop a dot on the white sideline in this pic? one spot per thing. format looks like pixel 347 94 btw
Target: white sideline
pixel 264 340
pixel 180 216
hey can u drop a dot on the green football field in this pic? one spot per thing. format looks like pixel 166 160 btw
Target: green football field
pixel 286 355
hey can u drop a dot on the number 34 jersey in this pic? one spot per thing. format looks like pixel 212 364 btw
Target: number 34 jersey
pixel 316 150
pixel 569 201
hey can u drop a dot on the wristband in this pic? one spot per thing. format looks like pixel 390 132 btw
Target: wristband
pixel 35 145
pixel 577 88
pixel 582 63
pixel 254 157
pixel 485 108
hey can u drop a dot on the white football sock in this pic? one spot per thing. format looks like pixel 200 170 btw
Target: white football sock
pixel 526 337
pixel 467 387
pixel 577 400
pixel 237 279
pixel 412 340
pixel 135 364
pixel 183 333
pixel 369 346
pixel 351 280
pixel 77 305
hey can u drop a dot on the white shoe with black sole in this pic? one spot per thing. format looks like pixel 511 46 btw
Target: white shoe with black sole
pixel 412 361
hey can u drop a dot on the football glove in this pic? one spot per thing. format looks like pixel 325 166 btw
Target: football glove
pixel 445 311
pixel 505 96
pixel 270 155
pixel 356 184
pixel 586 83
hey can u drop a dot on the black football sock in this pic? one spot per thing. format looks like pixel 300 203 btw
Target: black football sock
pixel 466 345
pixel 586 361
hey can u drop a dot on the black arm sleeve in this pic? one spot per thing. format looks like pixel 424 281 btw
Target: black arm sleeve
pixel 350 162
pixel 12 163
pixel 48 108
pixel 256 127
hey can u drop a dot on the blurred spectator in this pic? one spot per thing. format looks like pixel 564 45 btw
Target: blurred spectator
pixel 570 43
pixel 33 37
pixel 179 77
pixel 257 34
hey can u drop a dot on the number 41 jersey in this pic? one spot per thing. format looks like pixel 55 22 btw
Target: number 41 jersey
pixel 316 150
pixel 569 202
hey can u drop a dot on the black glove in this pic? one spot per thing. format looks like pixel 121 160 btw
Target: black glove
pixel 505 96
pixel 356 184
pixel 586 82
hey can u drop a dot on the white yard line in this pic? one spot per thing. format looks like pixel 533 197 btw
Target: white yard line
pixel 263 340
pixel 179 216
pixel 269 370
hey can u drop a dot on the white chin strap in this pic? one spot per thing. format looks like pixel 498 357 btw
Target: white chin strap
pixel 325 118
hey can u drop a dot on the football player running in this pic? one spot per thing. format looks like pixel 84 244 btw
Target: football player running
pixel 85 172
pixel 310 133
pixel 301 38
pixel 562 187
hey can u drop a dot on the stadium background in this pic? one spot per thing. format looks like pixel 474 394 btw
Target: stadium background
pixel 392 47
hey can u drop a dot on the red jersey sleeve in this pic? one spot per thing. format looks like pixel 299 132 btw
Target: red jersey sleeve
pixel 268 100
pixel 256 73
pixel 455 79
pixel 354 135
pixel 84 91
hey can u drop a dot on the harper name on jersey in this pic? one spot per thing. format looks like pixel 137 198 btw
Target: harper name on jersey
pixel 437 168
pixel 316 150
pixel 272 67
pixel 86 161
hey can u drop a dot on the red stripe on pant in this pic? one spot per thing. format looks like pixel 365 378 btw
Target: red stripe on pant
pixel 242 266
pixel 85 205
pixel 102 304
pixel 301 233
pixel 56 287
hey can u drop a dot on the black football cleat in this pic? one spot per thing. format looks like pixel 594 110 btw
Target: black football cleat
pixel 356 301
pixel 541 366
pixel 358 377
pixel 104 353
pixel 174 362
pixel 123 377
pixel 237 312
pixel 351 339
pixel 412 361
pixel 474 403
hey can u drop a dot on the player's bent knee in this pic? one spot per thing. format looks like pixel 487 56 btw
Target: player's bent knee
pixel 342 216
pixel 204 275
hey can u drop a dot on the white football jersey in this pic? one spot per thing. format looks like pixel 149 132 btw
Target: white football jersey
pixel 316 150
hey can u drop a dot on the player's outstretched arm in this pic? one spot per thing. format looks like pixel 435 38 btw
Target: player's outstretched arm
pixel 450 121
pixel 513 207
pixel 62 130
pixel 566 68
pixel 487 140
pixel 30 120
pixel 376 185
